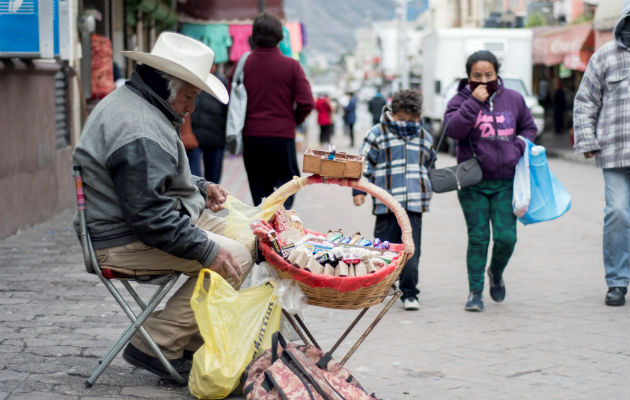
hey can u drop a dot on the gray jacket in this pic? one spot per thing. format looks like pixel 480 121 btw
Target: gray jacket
pixel 601 114
pixel 137 180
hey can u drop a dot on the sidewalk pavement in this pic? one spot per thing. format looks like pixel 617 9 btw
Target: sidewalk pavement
pixel 552 338
pixel 560 146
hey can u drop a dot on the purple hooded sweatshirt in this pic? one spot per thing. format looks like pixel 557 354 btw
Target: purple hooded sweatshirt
pixel 492 128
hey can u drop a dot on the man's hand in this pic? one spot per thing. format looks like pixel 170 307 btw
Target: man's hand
pixel 358 199
pixel 226 265
pixel 481 93
pixel 216 197
pixel 589 154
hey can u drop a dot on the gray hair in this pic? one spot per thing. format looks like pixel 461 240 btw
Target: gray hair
pixel 173 84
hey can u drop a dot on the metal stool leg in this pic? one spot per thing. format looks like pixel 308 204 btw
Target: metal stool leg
pixel 372 325
pixel 297 329
pixel 302 328
pixel 136 325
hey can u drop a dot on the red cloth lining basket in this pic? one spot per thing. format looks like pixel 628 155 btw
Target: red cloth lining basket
pixel 344 292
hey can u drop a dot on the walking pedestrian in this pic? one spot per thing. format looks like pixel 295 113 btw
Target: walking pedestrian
pixel 208 125
pixel 601 117
pixel 278 98
pixel 324 118
pixel 559 108
pixel 398 152
pixel 375 106
pixel 350 116
pixel 485 118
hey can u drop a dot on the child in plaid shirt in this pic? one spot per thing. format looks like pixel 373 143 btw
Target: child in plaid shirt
pixel 398 152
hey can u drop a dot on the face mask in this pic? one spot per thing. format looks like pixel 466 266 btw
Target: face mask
pixel 491 86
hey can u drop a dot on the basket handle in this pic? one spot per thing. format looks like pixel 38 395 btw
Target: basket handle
pixel 294 186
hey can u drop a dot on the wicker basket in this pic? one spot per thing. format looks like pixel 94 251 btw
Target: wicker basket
pixel 366 296
pixel 342 166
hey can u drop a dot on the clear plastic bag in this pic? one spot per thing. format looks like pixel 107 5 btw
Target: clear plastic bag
pixel 522 192
pixel 240 215
pixel 291 295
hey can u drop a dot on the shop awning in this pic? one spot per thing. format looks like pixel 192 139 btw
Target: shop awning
pixel 569 45
pixel 227 10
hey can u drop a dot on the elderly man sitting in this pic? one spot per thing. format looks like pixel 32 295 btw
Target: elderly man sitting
pixel 146 210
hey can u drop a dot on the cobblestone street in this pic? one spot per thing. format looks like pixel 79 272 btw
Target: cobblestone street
pixel 553 337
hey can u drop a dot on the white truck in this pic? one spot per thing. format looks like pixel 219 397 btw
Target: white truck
pixel 444 55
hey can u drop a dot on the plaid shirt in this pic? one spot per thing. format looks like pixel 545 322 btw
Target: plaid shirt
pixel 396 163
pixel 601 113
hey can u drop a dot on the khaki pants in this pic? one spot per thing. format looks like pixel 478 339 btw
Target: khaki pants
pixel 174 328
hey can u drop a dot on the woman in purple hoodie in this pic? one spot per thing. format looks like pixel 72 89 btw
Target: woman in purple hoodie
pixel 485 118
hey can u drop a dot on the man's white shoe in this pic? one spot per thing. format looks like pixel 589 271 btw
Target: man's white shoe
pixel 411 304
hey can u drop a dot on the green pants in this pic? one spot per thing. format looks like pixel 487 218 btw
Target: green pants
pixel 485 202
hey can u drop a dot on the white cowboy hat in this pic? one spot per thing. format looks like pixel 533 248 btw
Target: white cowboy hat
pixel 184 58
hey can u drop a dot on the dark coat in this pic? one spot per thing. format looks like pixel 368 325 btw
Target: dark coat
pixel 278 94
pixel 375 106
pixel 350 111
pixel 208 119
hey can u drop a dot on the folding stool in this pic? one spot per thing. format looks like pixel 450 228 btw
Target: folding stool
pixel 163 281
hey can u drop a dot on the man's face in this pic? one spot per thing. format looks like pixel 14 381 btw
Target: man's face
pixel 184 102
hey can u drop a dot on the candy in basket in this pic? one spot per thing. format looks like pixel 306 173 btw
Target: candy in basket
pixel 334 270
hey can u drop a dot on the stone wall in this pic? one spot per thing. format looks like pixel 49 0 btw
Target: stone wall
pixel 35 176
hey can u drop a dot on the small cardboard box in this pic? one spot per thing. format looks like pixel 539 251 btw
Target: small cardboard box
pixel 341 166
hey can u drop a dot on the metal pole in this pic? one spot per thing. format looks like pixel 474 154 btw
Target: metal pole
pixel 261 5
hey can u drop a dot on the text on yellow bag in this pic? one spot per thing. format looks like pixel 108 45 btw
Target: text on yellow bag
pixel 236 327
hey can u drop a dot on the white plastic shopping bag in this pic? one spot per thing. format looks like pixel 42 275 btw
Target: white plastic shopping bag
pixel 522 184
pixel 237 109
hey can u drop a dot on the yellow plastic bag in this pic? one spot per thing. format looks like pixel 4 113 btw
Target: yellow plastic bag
pixel 240 215
pixel 236 327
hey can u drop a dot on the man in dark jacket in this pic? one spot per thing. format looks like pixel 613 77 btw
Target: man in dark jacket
pixel 375 106
pixel 146 211
pixel 208 125
pixel 278 97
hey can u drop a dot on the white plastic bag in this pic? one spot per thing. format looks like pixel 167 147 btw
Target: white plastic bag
pixel 522 190
pixel 237 108
pixel 290 294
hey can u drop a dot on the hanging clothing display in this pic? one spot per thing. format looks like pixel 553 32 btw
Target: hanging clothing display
pixel 303 31
pixel 240 44
pixel 295 36
pixel 216 36
pixel 285 44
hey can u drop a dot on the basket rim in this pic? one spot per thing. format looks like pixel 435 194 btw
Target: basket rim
pixel 341 284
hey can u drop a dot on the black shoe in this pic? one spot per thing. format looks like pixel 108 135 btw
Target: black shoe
pixel 616 296
pixel 474 302
pixel 138 359
pixel 188 354
pixel 497 288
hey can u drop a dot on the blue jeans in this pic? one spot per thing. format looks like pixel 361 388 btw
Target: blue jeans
pixel 213 162
pixel 387 228
pixel 617 226
pixel 194 160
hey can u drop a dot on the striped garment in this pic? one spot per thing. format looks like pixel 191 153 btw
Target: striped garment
pixel 395 163
pixel 601 114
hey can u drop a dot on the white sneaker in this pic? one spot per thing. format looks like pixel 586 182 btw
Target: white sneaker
pixel 411 304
